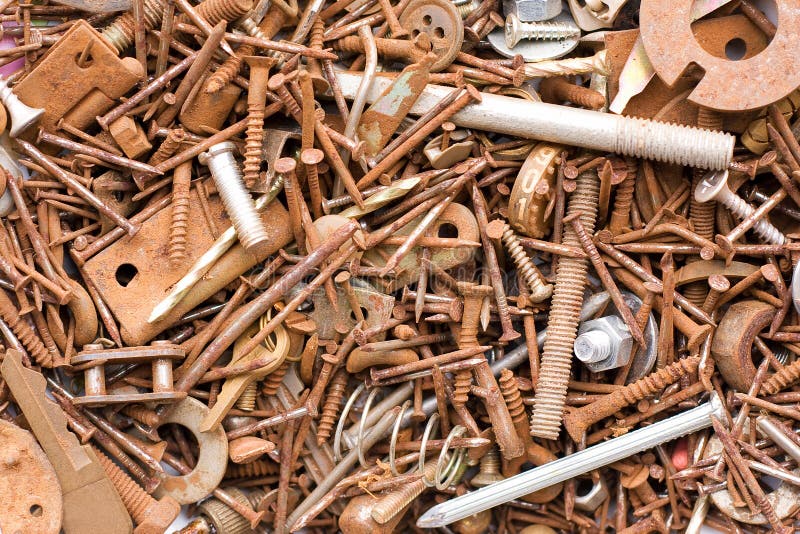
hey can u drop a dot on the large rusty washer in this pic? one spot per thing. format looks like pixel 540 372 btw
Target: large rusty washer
pixel 726 85
pixel 733 341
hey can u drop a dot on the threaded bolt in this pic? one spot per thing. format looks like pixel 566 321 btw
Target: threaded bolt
pixel 558 89
pixel 714 186
pixel 150 515
pixel 256 98
pixel 462 382
pixel 272 381
pixel 390 504
pixel 179 226
pixel 120 32
pixel 562 324
pixel 489 470
pixel 214 11
pixel 247 400
pixel 510 391
pixel 540 289
pixel 259 468
pixel 471 314
pixel 330 408
pixel 593 346
pixel 782 379
pixel 237 201
pixel 223 518
pixel 516 30
pixel 24 332
pixel 621 212
pixel 578 420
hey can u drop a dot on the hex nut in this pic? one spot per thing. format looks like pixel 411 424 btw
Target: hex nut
pixel 619 339
pixel 532 10
pixel 589 502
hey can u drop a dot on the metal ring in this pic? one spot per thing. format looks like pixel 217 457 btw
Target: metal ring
pixel 360 436
pixel 337 439
pixel 453 464
pixel 434 418
pixel 393 440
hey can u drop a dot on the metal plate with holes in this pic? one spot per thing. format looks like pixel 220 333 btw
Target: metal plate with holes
pixel 134 274
pixel 534 50
pixel 726 85
pixel 440 20
pixel 73 92
pixel 376 307
pixel 31 494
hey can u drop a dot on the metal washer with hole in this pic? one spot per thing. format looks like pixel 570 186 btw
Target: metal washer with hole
pixel 534 50
pixel 439 20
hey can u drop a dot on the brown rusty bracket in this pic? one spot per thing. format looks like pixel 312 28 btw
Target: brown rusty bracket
pixel 727 85
pixel 83 481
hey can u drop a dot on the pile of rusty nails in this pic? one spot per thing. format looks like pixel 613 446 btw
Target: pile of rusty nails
pixel 373 266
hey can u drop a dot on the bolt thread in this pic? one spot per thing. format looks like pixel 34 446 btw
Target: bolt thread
pixel 564 90
pixel 223 517
pixel 592 346
pixel 465 9
pixel 470 319
pixel 253 145
pixel 141 414
pixel 461 386
pixel 330 408
pixel 168 148
pixel 179 225
pixel 580 419
pixel 228 70
pixel 291 105
pixel 782 379
pixel 546 31
pixel 701 214
pixel 120 33
pixel 621 212
pixel 390 504
pixel 259 468
pixel 135 499
pixel 247 400
pixel 510 391
pixel 271 383
pixel 672 143
pixel 24 332
pixel 237 200
pixel 762 227
pixel 540 290
pixel 490 462
pixel 214 11
pixel 562 324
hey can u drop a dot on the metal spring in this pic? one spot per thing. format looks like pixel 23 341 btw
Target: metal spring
pixel 447 467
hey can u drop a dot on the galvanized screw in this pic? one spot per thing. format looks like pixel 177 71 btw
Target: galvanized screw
pixel 516 30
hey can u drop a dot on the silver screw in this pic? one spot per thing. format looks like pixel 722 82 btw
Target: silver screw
pixel 237 201
pixel 516 30
pixel 714 186
pixel 22 115
pixel 573 465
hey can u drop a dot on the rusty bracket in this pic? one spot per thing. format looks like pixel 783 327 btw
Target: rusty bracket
pixel 727 85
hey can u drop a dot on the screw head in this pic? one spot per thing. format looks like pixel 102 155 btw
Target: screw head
pixel 512 30
pixel 711 186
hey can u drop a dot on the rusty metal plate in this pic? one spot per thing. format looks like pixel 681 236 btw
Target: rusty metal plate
pixel 455 221
pixel 727 85
pixel 376 306
pixel 73 92
pixel 31 494
pixel 134 274
pixel 439 20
